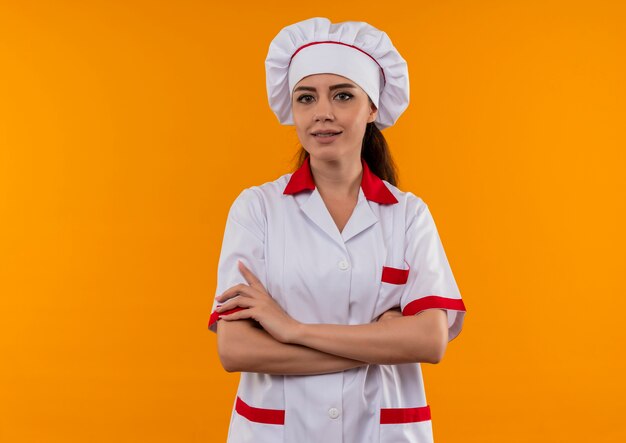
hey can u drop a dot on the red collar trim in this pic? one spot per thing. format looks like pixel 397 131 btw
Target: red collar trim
pixel 373 187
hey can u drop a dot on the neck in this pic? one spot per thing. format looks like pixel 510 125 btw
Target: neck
pixel 338 178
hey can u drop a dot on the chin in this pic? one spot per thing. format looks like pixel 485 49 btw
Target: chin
pixel 326 154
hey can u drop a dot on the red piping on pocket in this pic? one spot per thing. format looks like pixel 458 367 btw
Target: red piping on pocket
pixel 395 276
pixel 404 415
pixel 260 415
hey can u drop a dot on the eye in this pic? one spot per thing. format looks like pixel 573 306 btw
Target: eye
pixel 345 94
pixel 304 96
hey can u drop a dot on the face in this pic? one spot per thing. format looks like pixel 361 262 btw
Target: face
pixel 330 102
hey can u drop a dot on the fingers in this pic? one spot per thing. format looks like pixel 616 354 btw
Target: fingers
pixel 247 273
pixel 249 276
pixel 232 311
pixel 238 315
pixel 240 289
pixel 237 302
pixel 254 284
pixel 390 314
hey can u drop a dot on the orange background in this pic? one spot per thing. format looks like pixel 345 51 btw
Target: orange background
pixel 127 128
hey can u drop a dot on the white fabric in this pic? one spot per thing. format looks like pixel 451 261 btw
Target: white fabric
pixel 320 275
pixel 337 59
pixel 393 96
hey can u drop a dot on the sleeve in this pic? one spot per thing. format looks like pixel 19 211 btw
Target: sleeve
pixel 244 239
pixel 430 283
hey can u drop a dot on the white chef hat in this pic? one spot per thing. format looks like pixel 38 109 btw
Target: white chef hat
pixel 355 50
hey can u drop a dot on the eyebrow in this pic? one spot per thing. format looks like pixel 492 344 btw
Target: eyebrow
pixel 332 87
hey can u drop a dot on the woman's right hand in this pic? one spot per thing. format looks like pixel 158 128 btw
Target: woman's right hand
pixel 259 305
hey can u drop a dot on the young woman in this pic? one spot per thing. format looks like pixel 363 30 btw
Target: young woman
pixel 333 284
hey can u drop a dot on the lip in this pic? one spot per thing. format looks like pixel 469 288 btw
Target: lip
pixel 324 131
pixel 327 139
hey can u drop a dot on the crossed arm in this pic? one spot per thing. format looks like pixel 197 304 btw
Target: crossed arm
pixel 287 347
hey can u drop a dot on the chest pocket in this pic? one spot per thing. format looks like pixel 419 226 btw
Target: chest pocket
pixel 393 278
pixel 395 269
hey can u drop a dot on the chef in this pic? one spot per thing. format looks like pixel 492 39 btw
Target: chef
pixel 333 285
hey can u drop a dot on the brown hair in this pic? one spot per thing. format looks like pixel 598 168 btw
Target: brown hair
pixel 374 151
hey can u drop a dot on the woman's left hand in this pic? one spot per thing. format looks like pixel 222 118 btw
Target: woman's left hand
pixel 390 314
pixel 258 305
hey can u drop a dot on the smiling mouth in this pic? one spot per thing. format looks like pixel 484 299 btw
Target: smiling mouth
pixel 329 134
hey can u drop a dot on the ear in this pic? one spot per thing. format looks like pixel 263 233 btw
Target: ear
pixel 373 112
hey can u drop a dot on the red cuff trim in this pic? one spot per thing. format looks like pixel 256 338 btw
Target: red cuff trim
pixel 260 415
pixel 433 301
pixel 404 415
pixel 395 276
pixel 215 315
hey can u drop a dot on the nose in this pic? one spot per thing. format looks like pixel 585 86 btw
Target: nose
pixel 323 110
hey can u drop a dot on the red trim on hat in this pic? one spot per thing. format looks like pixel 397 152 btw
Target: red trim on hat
pixel 433 301
pixel 373 187
pixel 260 415
pixel 404 415
pixel 345 44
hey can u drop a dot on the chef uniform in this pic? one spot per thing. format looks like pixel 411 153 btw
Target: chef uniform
pixel 388 255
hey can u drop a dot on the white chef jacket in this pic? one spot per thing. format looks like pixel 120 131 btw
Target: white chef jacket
pixel 389 254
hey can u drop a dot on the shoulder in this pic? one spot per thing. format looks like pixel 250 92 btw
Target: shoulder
pixel 410 204
pixel 272 189
pixel 263 193
pixel 252 202
pixel 414 212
